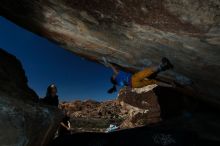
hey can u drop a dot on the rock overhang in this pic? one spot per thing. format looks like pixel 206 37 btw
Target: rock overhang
pixel 133 34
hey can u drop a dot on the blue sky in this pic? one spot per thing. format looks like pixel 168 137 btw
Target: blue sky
pixel 45 62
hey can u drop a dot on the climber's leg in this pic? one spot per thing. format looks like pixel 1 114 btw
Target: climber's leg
pixel 139 80
pixel 142 83
pixel 144 73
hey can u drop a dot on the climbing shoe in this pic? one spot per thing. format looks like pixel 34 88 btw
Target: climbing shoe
pixel 165 64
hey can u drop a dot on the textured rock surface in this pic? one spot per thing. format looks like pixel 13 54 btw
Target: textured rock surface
pixel 129 110
pixel 93 116
pixel 148 106
pixel 23 122
pixel 133 33
pixel 148 111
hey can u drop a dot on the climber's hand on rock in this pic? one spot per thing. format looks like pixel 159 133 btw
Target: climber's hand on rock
pixel 105 62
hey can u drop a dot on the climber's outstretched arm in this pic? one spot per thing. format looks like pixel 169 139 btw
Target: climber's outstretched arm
pixel 115 70
pixel 107 64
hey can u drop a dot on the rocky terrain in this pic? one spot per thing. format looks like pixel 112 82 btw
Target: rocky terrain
pixel 147 116
pixel 133 34
pixel 129 110
pixel 150 106
pixel 160 110
pixel 23 122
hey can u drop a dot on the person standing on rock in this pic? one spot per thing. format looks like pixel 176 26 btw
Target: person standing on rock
pixel 51 96
pixel 139 79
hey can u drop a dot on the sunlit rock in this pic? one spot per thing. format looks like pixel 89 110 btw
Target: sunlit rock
pixel 131 109
pixel 142 106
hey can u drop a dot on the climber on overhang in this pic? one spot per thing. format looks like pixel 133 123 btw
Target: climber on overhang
pixel 51 96
pixel 139 79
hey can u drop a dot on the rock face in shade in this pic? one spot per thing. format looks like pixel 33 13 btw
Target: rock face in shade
pixel 131 109
pixel 133 34
pixel 13 82
pixel 23 122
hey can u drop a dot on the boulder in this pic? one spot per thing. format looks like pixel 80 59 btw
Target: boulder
pixel 23 122
pixel 142 106
pixel 26 124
